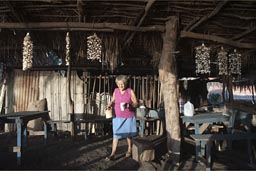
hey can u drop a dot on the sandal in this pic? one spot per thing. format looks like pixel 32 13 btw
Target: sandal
pixel 110 158
pixel 128 154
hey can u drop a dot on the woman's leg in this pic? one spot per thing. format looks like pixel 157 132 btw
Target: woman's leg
pixel 114 146
pixel 129 142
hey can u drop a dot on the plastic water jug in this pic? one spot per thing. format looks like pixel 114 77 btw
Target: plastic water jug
pixel 189 109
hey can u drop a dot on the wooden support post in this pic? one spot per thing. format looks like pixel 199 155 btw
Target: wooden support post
pixel 70 101
pixel 168 79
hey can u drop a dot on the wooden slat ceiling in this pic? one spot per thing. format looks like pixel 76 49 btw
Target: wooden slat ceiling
pixel 229 23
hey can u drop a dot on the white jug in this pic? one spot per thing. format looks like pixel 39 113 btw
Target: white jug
pixel 189 109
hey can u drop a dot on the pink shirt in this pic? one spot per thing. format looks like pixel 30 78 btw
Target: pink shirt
pixel 126 98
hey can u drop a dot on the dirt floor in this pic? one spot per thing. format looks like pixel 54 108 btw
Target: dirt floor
pixel 63 153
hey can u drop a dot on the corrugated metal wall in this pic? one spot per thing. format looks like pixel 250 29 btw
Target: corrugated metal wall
pixel 29 86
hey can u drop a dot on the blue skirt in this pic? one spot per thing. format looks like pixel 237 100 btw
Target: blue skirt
pixel 124 127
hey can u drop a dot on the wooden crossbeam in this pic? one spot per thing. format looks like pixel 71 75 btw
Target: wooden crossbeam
pixel 206 17
pixel 79 26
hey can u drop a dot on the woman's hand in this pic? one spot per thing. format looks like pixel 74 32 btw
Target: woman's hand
pixel 127 106
pixel 109 107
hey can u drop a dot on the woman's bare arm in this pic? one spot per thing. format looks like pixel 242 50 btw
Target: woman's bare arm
pixel 134 100
pixel 111 102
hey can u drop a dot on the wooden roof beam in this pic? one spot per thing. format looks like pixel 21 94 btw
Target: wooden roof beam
pixel 79 26
pixel 243 34
pixel 213 13
pixel 191 23
pixel 80 8
pixel 218 39
pixel 238 16
pixel 148 6
pixel 17 15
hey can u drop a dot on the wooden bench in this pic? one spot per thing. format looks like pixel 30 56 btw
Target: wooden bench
pixel 146 148
pixel 207 139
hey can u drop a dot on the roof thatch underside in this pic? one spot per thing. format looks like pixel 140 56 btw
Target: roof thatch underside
pixel 130 31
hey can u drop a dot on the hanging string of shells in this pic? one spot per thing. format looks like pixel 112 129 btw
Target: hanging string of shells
pixel 27 52
pixel 223 62
pixel 67 48
pixel 202 59
pixel 235 62
pixel 94 47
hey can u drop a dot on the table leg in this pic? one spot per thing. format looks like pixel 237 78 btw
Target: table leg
pixel 208 155
pixel 25 133
pixel 19 140
pixel 142 128
pixel 45 133
pixel 198 144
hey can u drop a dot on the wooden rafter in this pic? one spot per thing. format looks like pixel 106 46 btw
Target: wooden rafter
pixel 239 36
pixel 218 39
pixel 148 6
pixel 229 26
pixel 191 23
pixel 238 16
pixel 213 13
pixel 17 15
pixel 80 8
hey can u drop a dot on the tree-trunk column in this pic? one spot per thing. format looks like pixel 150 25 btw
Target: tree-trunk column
pixel 168 79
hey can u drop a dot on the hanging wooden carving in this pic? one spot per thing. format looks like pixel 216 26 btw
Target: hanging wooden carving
pixel 67 48
pixel 94 47
pixel 27 52
pixel 202 59
pixel 235 63
pixel 223 62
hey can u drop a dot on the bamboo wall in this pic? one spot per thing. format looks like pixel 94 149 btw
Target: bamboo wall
pixel 89 93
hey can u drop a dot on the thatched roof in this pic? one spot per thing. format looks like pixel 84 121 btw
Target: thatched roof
pixel 131 31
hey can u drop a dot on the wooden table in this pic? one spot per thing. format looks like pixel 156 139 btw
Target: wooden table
pixel 21 119
pixel 201 122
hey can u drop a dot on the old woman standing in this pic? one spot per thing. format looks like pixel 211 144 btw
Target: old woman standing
pixel 124 123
